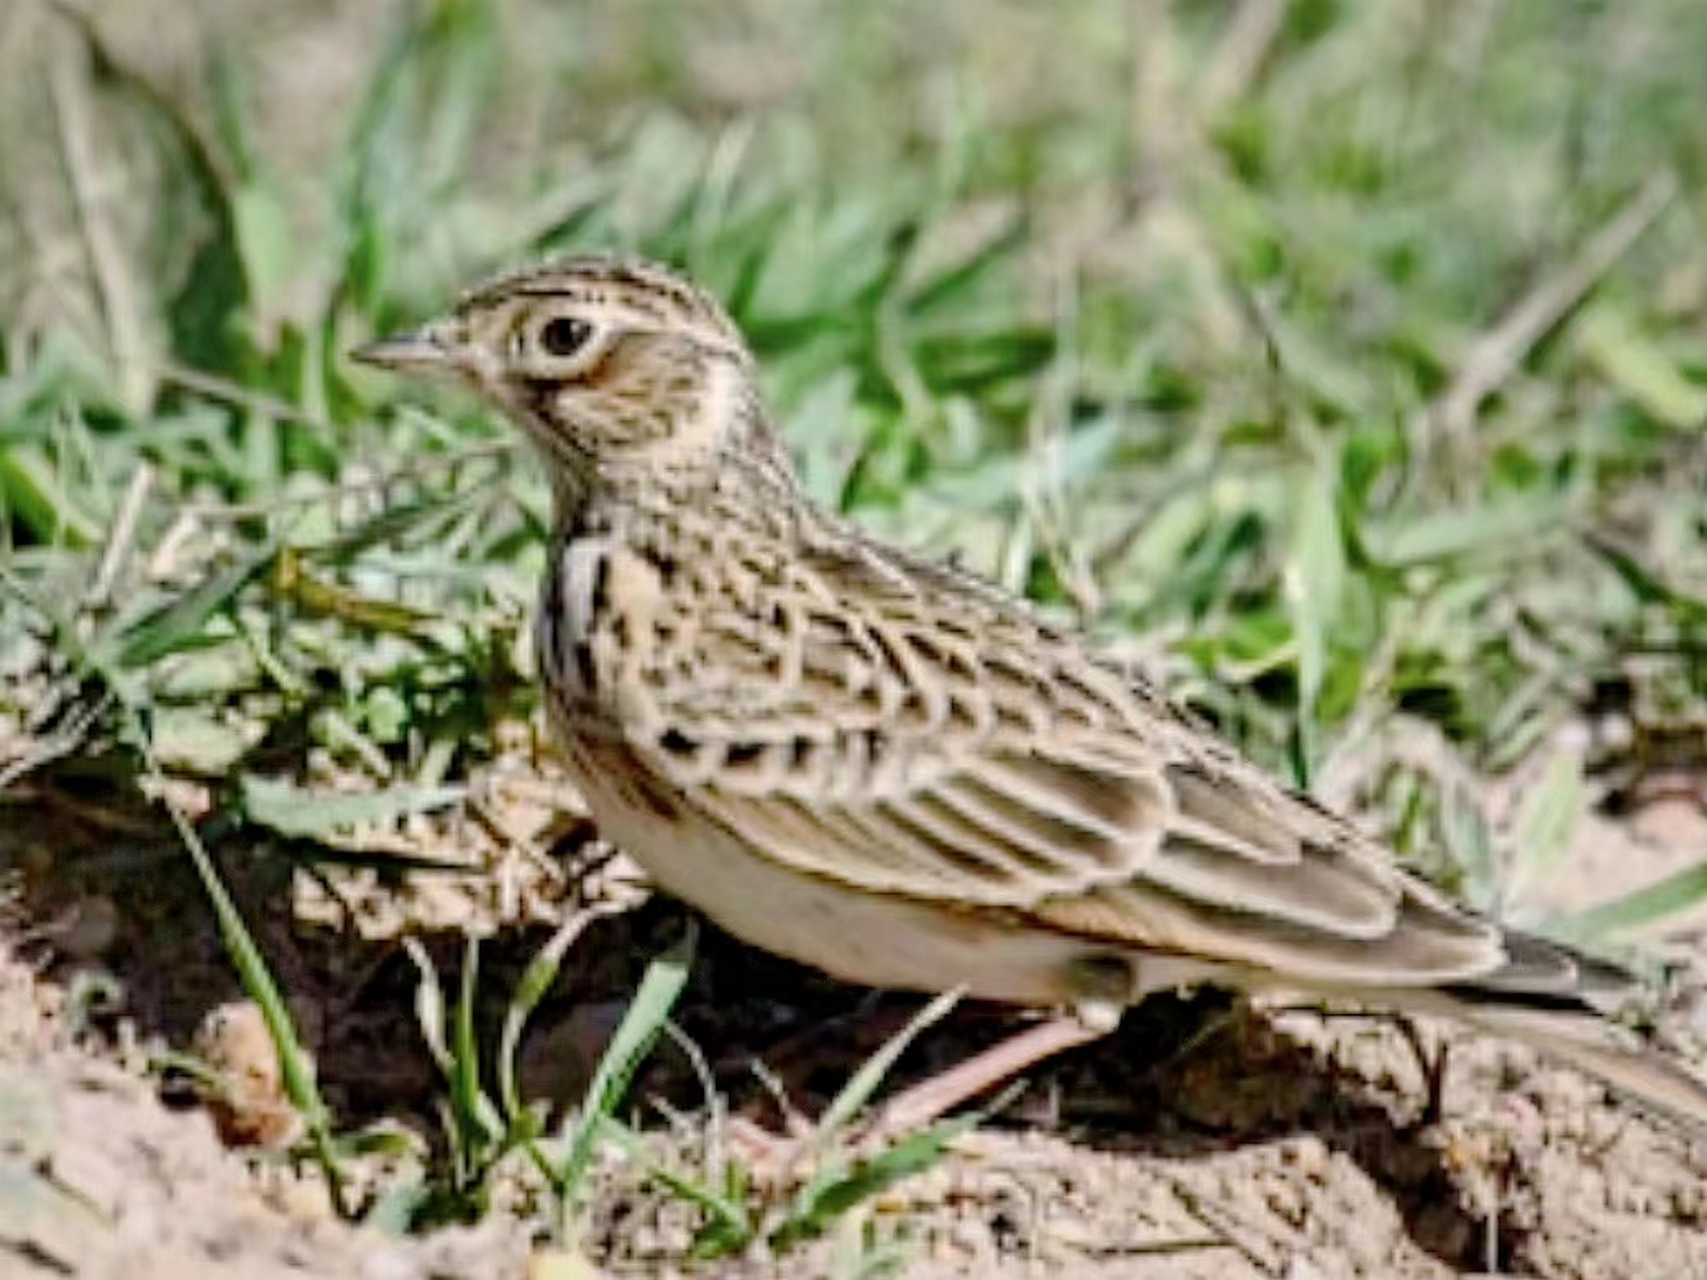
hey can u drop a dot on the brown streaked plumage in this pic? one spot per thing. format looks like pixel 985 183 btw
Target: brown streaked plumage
pixel 898 772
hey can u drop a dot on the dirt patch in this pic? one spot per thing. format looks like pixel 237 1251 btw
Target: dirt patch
pixel 98 1178
pixel 1203 1139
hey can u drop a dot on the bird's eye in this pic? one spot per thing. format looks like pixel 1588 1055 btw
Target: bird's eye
pixel 564 335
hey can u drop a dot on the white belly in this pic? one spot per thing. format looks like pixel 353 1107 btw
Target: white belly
pixel 876 940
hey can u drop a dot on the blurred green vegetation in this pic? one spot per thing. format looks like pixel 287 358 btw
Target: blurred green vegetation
pixel 1353 355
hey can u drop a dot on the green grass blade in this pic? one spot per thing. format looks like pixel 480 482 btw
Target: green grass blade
pixel 1640 909
pixel 828 1197
pixel 864 1082
pixel 1546 822
pixel 296 1067
pixel 640 1028
pixel 180 622
pixel 466 1093
pixel 301 812
pixel 536 981
pixel 729 1222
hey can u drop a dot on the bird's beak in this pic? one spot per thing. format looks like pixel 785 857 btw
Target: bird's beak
pixel 432 348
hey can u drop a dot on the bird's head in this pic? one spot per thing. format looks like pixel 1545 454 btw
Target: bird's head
pixel 610 365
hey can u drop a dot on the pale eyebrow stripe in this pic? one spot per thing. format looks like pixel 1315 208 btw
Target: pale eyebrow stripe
pixel 658 295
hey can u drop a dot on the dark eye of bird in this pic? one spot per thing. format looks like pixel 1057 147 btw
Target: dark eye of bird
pixel 564 335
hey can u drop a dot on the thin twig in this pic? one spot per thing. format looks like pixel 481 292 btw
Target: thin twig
pixel 1496 355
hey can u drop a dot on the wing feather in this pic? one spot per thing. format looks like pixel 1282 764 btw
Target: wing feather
pixel 978 835
pixel 1423 948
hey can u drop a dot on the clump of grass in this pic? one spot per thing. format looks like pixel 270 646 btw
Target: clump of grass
pixel 483 1130
pixel 824 1177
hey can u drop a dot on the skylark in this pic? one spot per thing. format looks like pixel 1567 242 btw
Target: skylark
pixel 898 772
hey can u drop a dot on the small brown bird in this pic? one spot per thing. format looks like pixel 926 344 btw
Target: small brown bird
pixel 897 772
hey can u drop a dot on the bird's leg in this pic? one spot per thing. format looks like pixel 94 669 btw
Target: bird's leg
pixel 1432 1066
pixel 933 1098
pixel 1104 985
pixel 768 1155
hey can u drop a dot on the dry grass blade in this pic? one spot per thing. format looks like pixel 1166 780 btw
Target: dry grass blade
pixel 1239 54
pixel 90 191
pixel 1496 354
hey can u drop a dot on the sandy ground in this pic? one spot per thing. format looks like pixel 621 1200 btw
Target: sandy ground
pixel 1202 1140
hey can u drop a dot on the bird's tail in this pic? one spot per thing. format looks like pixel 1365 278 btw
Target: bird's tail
pixel 1565 1004
pixel 1650 1077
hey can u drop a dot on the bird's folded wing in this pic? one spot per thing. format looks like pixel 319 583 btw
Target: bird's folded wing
pixel 904 759
pixel 1135 861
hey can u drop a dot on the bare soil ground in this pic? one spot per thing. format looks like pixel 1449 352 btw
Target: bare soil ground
pixel 1202 1140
